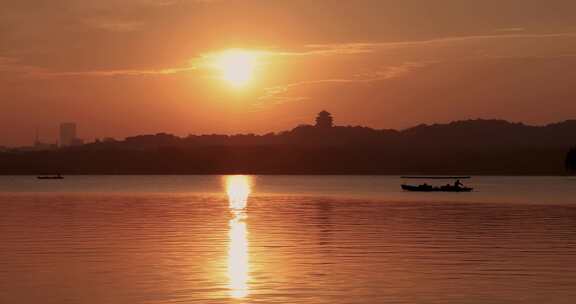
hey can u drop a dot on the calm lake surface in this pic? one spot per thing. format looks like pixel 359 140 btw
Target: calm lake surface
pixel 285 239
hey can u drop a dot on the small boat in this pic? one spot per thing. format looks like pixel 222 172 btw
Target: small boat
pixel 429 188
pixel 50 177
pixel 456 187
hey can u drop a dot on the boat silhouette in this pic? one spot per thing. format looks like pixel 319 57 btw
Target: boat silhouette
pixel 50 177
pixel 429 188
pixel 456 187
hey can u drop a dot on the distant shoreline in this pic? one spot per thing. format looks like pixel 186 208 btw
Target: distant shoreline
pixel 477 147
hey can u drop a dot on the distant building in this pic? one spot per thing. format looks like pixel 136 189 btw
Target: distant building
pixel 67 134
pixel 324 120
pixel 68 137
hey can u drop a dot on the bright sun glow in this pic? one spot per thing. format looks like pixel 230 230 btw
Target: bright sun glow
pixel 236 66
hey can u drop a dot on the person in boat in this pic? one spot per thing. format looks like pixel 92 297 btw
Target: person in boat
pixel 458 184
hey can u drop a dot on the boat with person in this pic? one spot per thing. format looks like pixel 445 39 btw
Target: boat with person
pixel 58 176
pixel 457 186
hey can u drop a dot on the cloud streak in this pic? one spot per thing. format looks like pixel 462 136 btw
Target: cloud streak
pixel 14 65
pixel 280 94
pixel 114 73
pixel 276 94
pixel 369 47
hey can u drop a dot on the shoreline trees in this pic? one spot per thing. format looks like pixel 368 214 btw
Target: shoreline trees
pixel 571 160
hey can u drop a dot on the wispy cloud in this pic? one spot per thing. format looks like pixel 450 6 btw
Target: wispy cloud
pixel 311 50
pixel 11 65
pixel 360 48
pixel 111 25
pixel 108 73
pixel 280 94
pixel 277 94
pixel 511 29
pixel 332 49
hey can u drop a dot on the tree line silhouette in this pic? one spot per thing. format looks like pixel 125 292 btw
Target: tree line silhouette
pixel 571 160
pixel 462 147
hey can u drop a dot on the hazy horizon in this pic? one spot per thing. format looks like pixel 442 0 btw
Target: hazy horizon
pixel 51 137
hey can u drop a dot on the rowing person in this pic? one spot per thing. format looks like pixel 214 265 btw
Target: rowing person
pixel 458 184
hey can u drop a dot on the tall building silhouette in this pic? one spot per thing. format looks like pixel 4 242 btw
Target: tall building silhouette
pixel 324 120
pixel 67 134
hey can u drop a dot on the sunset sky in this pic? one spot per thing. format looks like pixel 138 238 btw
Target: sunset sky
pixel 127 67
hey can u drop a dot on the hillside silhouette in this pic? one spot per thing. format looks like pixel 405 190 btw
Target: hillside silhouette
pixel 462 147
pixel 571 160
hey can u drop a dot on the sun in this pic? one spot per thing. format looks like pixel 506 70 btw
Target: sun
pixel 237 67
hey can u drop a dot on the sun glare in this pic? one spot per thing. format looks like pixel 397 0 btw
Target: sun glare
pixel 238 188
pixel 237 67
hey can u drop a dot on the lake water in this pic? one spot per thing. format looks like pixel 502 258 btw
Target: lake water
pixel 285 239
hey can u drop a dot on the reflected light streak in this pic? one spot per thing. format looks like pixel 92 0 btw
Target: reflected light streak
pixel 238 189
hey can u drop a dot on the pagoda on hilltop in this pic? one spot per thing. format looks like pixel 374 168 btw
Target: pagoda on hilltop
pixel 324 120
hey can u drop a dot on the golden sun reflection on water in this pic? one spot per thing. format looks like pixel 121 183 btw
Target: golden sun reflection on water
pixel 238 189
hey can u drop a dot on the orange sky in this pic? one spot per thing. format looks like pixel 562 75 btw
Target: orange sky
pixel 125 67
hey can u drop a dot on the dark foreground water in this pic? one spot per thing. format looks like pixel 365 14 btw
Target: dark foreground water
pixel 285 239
